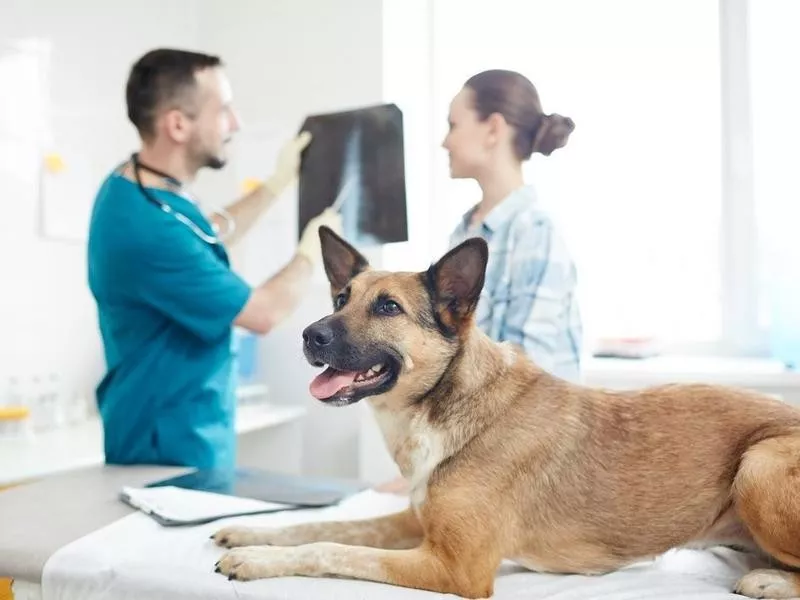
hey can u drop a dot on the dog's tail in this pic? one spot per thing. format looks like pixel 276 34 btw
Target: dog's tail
pixel 766 493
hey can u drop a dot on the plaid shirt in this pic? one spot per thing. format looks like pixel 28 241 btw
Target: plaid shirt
pixel 529 294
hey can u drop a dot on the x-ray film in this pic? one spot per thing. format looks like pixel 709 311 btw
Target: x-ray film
pixel 355 163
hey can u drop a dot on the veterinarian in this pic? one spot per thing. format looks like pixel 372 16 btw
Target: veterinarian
pixel 496 123
pixel 167 298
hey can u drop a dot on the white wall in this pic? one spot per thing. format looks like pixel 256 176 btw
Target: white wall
pixel 286 59
pixel 47 318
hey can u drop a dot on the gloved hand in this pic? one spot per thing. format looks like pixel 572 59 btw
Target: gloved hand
pixel 287 164
pixel 309 245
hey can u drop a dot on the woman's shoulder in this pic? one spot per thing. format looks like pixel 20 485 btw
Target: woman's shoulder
pixel 531 212
pixel 534 226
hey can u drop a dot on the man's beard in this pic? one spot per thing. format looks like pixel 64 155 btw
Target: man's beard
pixel 204 159
pixel 215 162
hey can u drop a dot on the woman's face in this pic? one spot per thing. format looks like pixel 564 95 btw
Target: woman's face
pixel 468 140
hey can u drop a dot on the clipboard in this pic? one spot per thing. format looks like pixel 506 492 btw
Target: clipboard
pixel 202 496
pixel 178 507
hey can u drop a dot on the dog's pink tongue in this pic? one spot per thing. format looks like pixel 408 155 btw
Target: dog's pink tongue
pixel 330 381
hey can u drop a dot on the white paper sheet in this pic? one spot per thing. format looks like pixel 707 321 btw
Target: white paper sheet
pixel 137 559
pixel 181 505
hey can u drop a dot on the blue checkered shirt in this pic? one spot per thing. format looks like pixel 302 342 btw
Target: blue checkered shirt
pixel 529 294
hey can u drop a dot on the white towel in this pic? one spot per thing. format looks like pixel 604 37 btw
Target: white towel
pixel 137 559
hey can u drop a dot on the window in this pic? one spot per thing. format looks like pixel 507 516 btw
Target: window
pixel 637 189
pixel 775 93
pixel 683 150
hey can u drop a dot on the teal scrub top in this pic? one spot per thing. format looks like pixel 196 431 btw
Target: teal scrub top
pixel 166 302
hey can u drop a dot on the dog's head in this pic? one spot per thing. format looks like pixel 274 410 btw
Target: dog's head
pixel 391 332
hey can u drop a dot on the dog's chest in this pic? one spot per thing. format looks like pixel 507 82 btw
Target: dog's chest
pixel 424 456
pixel 416 447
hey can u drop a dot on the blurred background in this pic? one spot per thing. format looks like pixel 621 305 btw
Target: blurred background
pixel 677 192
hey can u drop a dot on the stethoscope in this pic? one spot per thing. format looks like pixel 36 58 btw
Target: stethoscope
pixel 209 239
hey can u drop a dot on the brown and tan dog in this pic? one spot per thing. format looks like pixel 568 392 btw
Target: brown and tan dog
pixel 507 462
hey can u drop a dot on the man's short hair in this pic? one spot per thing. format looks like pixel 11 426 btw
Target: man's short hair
pixel 164 77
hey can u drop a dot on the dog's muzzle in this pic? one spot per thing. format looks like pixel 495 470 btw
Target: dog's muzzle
pixel 317 340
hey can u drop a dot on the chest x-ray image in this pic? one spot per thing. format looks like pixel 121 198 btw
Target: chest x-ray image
pixel 355 162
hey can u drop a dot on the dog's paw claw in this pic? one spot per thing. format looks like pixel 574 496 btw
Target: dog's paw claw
pixel 235 573
pixel 233 537
pixel 247 564
pixel 766 583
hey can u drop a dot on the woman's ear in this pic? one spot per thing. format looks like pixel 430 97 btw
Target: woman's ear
pixel 496 129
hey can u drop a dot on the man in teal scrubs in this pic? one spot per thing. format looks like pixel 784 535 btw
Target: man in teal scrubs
pixel 166 296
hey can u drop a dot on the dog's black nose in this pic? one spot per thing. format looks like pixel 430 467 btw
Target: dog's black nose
pixel 318 335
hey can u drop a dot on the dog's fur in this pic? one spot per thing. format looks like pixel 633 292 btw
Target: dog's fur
pixel 507 461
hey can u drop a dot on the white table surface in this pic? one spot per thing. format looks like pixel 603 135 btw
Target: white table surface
pixel 81 445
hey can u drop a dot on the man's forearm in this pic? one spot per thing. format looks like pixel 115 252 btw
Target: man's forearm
pixel 287 287
pixel 244 212
pixel 275 299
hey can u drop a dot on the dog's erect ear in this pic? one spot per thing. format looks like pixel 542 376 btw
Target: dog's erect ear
pixel 342 262
pixel 456 280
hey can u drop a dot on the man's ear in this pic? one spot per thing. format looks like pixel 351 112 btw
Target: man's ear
pixel 455 283
pixel 342 262
pixel 177 125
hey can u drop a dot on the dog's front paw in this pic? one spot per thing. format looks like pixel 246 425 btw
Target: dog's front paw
pixel 234 537
pixel 768 583
pixel 248 563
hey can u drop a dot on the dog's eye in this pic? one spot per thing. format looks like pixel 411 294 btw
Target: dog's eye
pixel 390 307
pixel 340 301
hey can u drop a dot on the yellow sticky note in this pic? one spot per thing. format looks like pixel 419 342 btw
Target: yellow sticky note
pixel 54 163
pixel 250 184
pixel 6 591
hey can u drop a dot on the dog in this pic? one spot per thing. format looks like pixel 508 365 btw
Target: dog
pixel 505 461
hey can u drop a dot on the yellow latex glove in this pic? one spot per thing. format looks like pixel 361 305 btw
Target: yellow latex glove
pixel 288 164
pixel 309 245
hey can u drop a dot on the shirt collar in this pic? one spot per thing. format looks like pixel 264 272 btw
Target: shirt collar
pixel 503 212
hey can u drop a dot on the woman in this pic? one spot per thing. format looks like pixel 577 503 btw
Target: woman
pixel 496 123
